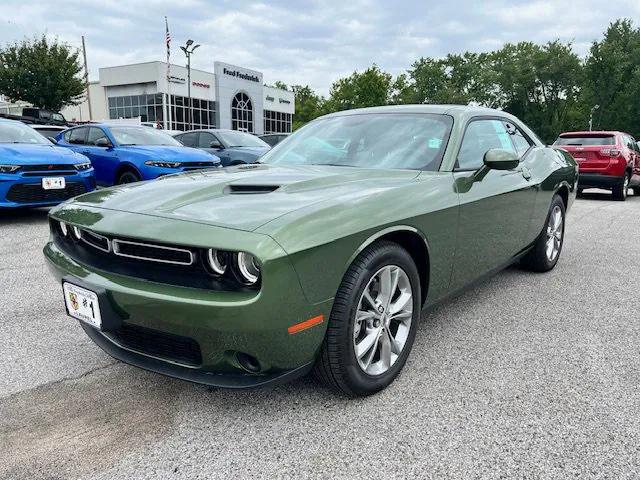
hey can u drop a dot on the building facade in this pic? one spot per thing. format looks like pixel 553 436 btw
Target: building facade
pixel 231 97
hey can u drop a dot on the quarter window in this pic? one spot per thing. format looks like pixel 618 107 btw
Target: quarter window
pixel 480 137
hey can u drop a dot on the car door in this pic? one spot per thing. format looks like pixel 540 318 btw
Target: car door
pixel 495 205
pixel 205 141
pixel 104 159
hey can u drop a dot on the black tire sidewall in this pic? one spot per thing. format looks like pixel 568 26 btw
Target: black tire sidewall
pixel 557 201
pixel 359 381
pixel 130 174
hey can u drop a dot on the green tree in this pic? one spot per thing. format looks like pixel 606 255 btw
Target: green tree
pixel 309 105
pixel 612 79
pixel 45 74
pixel 281 85
pixel 361 89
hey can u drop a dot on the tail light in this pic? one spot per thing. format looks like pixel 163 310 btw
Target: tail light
pixel 610 152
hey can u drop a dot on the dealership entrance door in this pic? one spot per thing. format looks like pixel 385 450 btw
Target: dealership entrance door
pixel 242 113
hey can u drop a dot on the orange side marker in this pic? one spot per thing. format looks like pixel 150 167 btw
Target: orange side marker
pixel 298 327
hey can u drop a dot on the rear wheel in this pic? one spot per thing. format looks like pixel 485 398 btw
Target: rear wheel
pixel 546 250
pixel 620 191
pixel 128 176
pixel 373 322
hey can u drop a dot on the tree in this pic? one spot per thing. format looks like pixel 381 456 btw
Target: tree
pixel 367 89
pixel 281 85
pixel 309 105
pixel 45 74
pixel 612 79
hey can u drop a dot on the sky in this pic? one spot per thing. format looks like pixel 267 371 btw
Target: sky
pixel 306 42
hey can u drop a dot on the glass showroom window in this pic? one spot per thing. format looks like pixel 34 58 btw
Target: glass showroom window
pixel 148 107
pixel 242 113
pixel 204 113
pixel 277 122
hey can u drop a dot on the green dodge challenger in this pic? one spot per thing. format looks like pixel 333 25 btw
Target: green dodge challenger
pixel 320 257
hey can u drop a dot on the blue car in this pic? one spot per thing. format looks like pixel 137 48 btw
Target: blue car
pixel 130 153
pixel 233 147
pixel 36 173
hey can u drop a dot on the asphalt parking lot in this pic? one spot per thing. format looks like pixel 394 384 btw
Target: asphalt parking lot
pixel 526 376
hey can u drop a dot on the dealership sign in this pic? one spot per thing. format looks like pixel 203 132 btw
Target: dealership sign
pixel 200 84
pixel 243 76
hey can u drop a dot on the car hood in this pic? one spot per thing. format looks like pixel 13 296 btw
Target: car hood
pixel 26 154
pixel 244 197
pixel 169 153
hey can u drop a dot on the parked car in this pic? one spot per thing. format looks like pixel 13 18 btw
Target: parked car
pixel 318 257
pixel 273 138
pixel 49 131
pixel 130 153
pixel 233 147
pixel 36 173
pixel 607 159
pixel 38 116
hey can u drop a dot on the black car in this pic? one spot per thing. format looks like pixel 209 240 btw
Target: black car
pixel 231 146
pixel 274 138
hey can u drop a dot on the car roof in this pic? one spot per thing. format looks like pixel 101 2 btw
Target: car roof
pixel 595 132
pixel 212 130
pixel 453 110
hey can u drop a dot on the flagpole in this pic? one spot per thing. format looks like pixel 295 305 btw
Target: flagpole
pixel 168 42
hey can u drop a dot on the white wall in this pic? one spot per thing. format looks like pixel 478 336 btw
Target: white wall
pixel 279 100
pixel 232 79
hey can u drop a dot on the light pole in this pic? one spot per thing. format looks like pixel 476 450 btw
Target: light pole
pixel 593 109
pixel 188 50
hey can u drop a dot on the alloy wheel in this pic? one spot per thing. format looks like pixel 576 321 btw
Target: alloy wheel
pixel 383 320
pixel 554 233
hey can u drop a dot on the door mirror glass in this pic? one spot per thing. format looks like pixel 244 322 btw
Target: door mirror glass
pixel 215 144
pixel 499 159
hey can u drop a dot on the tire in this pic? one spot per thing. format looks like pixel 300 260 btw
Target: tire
pixel 337 365
pixel 620 191
pixel 538 259
pixel 580 193
pixel 636 191
pixel 128 176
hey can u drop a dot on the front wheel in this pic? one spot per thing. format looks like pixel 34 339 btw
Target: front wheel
pixel 546 250
pixel 128 176
pixel 373 322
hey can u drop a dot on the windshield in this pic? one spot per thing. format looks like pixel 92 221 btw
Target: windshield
pixel 142 136
pixel 375 140
pixel 586 140
pixel 240 139
pixel 16 132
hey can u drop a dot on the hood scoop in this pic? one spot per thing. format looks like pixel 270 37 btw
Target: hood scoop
pixel 249 189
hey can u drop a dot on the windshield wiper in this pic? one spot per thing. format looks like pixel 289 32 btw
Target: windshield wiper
pixel 127 144
pixel 335 165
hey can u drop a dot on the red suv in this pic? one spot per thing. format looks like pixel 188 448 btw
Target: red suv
pixel 609 160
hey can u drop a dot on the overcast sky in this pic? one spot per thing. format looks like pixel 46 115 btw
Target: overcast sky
pixel 302 41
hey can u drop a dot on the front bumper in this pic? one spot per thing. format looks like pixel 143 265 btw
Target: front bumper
pixel 598 180
pixel 18 191
pixel 221 324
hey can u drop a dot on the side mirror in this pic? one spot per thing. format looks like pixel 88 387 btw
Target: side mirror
pixel 215 144
pixel 102 142
pixel 52 140
pixel 498 159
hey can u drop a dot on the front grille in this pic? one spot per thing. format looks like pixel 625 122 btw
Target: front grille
pixel 47 168
pixel 33 192
pixel 59 173
pixel 197 164
pixel 153 253
pixel 95 240
pixel 163 345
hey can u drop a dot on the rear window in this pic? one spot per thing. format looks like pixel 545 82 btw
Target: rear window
pixel 586 140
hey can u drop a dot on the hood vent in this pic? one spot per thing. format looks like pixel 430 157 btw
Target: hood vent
pixel 249 189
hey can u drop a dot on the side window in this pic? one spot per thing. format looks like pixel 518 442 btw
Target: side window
pixel 94 135
pixel 480 137
pixel 189 139
pixel 521 143
pixel 77 136
pixel 206 139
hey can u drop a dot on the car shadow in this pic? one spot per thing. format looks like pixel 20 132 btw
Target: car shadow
pixel 23 215
pixel 602 195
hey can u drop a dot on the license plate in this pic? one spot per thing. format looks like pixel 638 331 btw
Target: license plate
pixel 82 304
pixel 53 183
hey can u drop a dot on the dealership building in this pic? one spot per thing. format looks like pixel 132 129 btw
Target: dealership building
pixel 230 97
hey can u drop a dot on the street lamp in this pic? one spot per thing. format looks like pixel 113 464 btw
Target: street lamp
pixel 188 50
pixel 593 109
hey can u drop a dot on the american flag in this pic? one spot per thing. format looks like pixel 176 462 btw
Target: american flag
pixel 168 38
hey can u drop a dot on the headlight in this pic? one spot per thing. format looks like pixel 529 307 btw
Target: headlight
pixel 9 168
pixel 75 232
pixel 63 229
pixel 154 163
pixel 248 267
pixel 83 166
pixel 217 261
